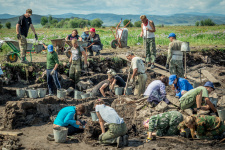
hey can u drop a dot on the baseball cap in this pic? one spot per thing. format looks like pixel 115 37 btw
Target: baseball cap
pixel 92 30
pixel 209 84
pixel 172 78
pixel 50 48
pixel 29 11
pixel 172 35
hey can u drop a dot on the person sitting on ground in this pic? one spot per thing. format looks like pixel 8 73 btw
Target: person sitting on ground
pixel 206 127
pixel 156 91
pixel 85 34
pixel 117 127
pixel 181 85
pixel 97 46
pixel 117 80
pixel 75 61
pixel 102 88
pixel 52 65
pixel 74 35
pixel 65 118
pixel 164 124
pixel 198 99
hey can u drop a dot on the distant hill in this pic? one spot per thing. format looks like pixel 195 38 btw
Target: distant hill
pixel 112 19
pixel 6 16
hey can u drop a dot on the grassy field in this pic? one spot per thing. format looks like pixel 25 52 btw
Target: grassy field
pixel 197 36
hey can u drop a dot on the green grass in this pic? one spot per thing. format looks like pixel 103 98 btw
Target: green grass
pixel 197 36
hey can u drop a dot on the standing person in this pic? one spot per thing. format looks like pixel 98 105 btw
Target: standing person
pixel 147 32
pixel 52 65
pixel 181 85
pixel 103 87
pixel 117 127
pixel 74 35
pixel 117 80
pixel 198 98
pixel 97 46
pixel 164 124
pixel 206 127
pixel 65 118
pixel 138 72
pixel 156 91
pixel 85 34
pixel 75 61
pixel 175 57
pixel 22 28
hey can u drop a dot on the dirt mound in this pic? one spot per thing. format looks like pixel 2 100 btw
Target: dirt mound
pixel 9 142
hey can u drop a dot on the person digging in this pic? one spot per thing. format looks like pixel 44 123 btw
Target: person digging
pixel 22 28
pixel 117 79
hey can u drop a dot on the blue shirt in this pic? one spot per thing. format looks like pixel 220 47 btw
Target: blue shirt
pixel 84 35
pixel 182 85
pixel 65 117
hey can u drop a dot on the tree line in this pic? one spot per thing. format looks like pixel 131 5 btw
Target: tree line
pixel 206 22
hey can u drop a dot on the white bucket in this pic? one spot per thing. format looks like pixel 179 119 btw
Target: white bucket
pixel 42 92
pixel 33 93
pixel 221 113
pixel 20 93
pixel 61 93
pixel 60 134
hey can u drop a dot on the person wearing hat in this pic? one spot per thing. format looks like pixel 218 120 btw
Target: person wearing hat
pixel 198 99
pixel 97 46
pixel 22 28
pixel 138 75
pixel 117 79
pixel 52 65
pixel 85 34
pixel 180 85
pixel 147 32
pixel 175 57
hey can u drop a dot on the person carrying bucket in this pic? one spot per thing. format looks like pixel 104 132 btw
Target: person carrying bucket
pixel 75 61
pixel 116 133
pixel 117 79
pixel 65 118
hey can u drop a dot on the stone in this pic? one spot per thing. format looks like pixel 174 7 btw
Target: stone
pixel 203 112
pixel 84 85
pixel 188 111
pixel 174 100
pixel 69 90
pixel 161 107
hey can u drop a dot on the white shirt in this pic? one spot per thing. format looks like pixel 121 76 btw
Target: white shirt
pixel 137 62
pixel 149 34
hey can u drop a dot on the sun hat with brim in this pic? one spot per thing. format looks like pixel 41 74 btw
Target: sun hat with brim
pixel 172 78
pixel 209 84
pixel 172 35
pixel 86 29
pixel 50 48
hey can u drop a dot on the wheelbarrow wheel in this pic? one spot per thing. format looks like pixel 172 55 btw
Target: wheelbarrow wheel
pixel 114 44
pixel 12 57
pixel 68 52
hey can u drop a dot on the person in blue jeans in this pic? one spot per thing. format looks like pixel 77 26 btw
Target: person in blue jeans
pixel 52 65
pixel 181 85
pixel 65 118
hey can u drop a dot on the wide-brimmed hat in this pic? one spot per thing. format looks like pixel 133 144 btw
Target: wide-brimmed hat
pixel 86 29
pixel 209 84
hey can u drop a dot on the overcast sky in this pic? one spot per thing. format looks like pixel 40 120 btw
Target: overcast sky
pixel 150 7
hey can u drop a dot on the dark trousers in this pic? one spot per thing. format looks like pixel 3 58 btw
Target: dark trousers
pixel 72 130
pixel 54 78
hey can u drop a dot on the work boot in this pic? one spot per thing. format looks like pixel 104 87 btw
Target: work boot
pixel 90 53
pixel 97 54
pixel 125 140
pixel 152 66
pixel 50 137
pixel 23 60
pixel 119 142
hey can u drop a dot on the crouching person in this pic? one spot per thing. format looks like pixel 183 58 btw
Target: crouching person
pixel 117 127
pixel 203 126
pixel 164 124
pixel 65 118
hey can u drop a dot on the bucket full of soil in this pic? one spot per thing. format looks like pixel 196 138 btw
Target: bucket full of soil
pixel 77 94
pixel 94 116
pixel 33 93
pixel 83 96
pixel 119 90
pixel 20 93
pixel 42 92
pixel 61 93
pixel 129 90
pixel 221 113
pixel 60 134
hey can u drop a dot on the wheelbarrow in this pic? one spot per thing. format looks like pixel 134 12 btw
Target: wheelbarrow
pixel 120 36
pixel 59 45
pixel 80 43
pixel 15 54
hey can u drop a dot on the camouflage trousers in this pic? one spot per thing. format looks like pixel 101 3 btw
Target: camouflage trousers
pixel 140 82
pixel 166 124
pixel 211 134
pixel 150 50
pixel 114 131
pixel 75 71
pixel 23 46
pixel 176 67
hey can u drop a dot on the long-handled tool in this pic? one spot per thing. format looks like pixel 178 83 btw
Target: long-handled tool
pixel 125 89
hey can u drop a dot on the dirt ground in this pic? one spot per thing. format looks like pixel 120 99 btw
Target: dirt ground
pixel 34 135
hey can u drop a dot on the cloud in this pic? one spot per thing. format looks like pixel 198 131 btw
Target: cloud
pixel 150 7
